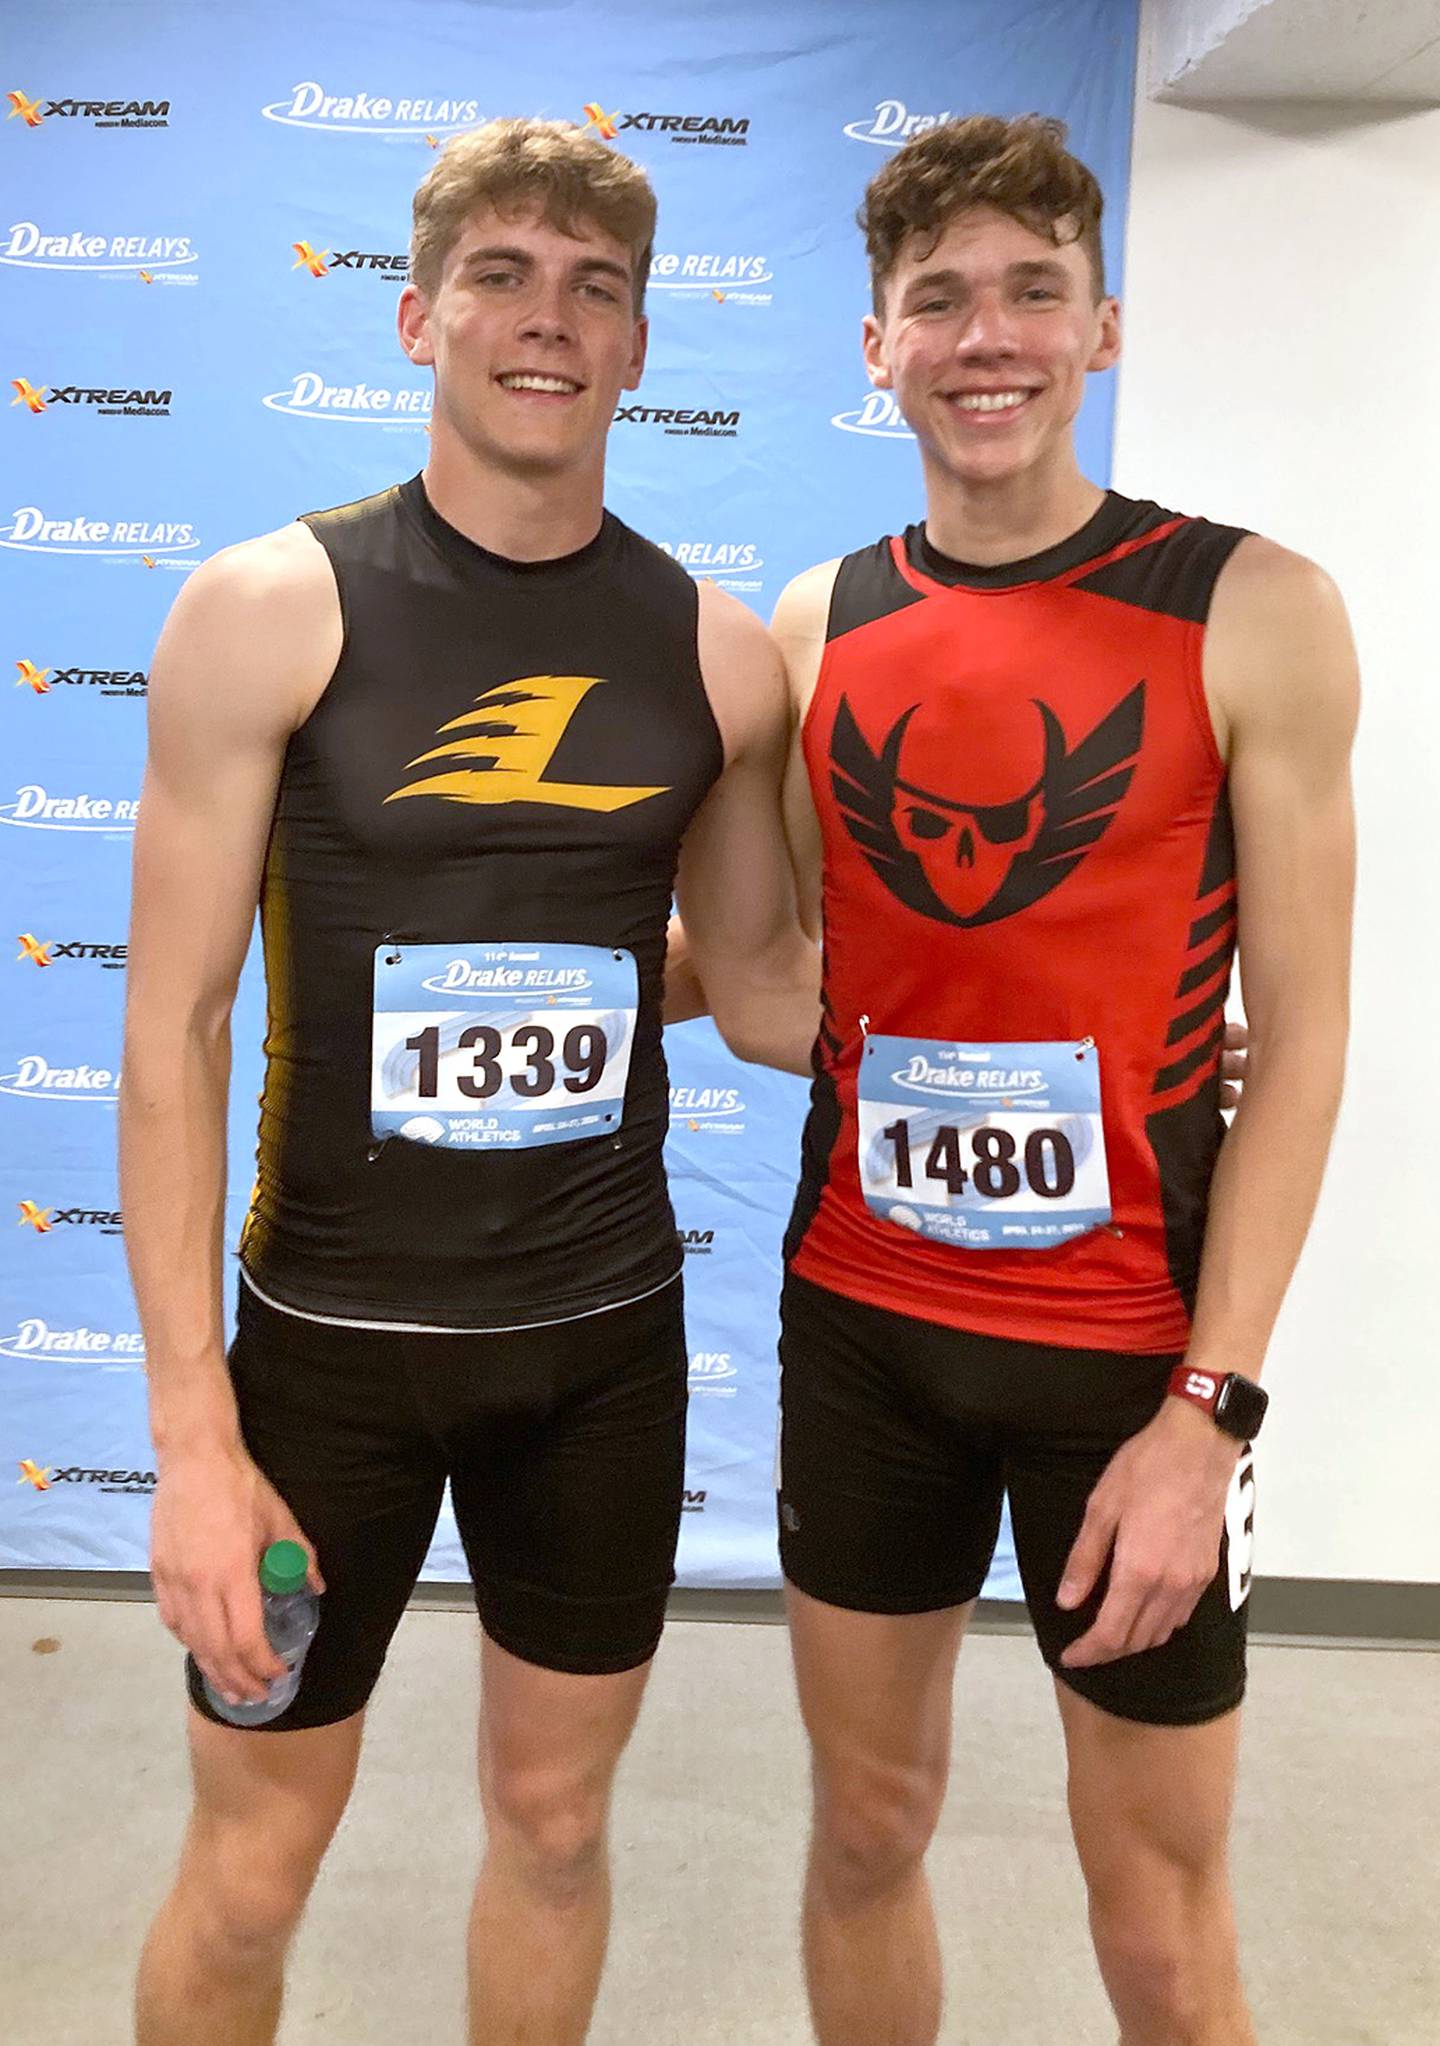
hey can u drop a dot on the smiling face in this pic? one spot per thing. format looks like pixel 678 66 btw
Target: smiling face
pixel 987 333
pixel 533 334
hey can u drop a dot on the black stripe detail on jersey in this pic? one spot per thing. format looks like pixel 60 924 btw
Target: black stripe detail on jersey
pixel 1171 1076
pixel 1186 1141
pixel 1186 1025
pixel 822 1133
pixel 1206 926
pixel 1218 869
pixel 868 586
pixel 1117 520
pixel 1175 577
pixel 1213 963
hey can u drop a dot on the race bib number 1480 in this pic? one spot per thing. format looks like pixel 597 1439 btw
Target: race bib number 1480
pixel 490 1047
pixel 986 1146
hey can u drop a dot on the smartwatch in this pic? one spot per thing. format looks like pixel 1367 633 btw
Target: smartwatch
pixel 1236 1405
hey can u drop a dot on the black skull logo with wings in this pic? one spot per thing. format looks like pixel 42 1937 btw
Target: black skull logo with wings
pixel 967 863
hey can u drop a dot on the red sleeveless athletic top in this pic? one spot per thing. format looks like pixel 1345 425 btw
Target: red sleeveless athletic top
pixel 1026 839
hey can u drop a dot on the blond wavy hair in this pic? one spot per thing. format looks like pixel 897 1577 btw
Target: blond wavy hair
pixel 571 176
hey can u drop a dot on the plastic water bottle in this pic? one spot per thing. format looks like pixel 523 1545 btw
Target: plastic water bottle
pixel 292 1614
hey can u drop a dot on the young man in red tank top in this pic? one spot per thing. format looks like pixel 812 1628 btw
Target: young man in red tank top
pixel 1056 749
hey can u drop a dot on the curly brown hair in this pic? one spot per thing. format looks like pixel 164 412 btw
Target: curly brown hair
pixel 1021 166
pixel 572 176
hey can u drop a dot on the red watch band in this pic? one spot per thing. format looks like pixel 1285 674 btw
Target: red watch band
pixel 1201 1388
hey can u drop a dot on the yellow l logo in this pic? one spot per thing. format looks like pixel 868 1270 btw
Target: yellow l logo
pixel 513 735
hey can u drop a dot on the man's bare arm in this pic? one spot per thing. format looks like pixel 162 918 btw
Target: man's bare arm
pixel 1281 673
pixel 245 653
pixel 745 945
pixel 1286 682
pixel 798 627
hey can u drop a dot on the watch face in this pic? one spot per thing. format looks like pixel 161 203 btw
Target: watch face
pixel 1241 1407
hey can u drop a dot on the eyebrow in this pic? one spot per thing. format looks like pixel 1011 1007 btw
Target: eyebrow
pixel 1041 270
pixel 604 266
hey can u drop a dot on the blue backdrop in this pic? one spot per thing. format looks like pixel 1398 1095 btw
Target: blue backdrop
pixel 201 244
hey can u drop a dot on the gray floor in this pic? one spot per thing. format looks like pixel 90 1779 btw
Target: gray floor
pixel 1337 1867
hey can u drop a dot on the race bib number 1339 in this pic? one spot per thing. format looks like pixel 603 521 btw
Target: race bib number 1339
pixel 490 1047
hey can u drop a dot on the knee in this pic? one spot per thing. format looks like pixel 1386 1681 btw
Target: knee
pixel 1160 1935
pixel 873 1824
pixel 247 1895
pixel 552 1822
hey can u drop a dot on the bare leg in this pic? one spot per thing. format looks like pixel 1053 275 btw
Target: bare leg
pixel 549 1746
pixel 1150 1808
pixel 875 1693
pixel 265 1808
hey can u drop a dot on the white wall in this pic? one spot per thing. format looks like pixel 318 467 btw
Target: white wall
pixel 1282 293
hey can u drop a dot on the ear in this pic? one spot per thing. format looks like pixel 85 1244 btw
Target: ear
pixel 413 324
pixel 636 367
pixel 1107 348
pixel 872 343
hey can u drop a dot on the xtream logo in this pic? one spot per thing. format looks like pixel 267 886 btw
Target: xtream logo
pixel 105 113
pixel 118 682
pixel 712 425
pixel 35 809
pixel 119 1349
pixel 45 1221
pixel 41 1477
pixel 369 113
pixel 119 403
pixel 727 279
pixel 310 397
pixel 390 265
pixel 31 532
pixel 30 248
pixel 51 950
pixel 734 565
pixel 716 1109
pixel 880 416
pixel 892 123
pixel 35 1079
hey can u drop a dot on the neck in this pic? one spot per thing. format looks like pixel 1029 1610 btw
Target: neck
pixel 521 514
pixel 1016 516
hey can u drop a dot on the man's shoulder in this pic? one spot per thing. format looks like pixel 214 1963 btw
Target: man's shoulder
pixel 803 605
pixel 1279 647
pixel 1266 589
pixel 286 563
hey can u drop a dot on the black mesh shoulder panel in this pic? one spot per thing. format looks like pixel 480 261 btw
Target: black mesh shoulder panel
pixel 868 586
pixel 1175 576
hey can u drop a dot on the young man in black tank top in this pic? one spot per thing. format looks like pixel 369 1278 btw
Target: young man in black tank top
pixel 455 740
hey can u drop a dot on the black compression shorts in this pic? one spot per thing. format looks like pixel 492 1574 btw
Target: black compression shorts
pixel 565 1451
pixel 899 1440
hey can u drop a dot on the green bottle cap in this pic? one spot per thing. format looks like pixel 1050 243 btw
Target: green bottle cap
pixel 283 1567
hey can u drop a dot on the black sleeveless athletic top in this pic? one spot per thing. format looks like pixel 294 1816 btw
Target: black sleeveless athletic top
pixel 594 664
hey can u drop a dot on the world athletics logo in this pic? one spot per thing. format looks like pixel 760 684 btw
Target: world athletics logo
pixel 310 397
pixel 367 113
